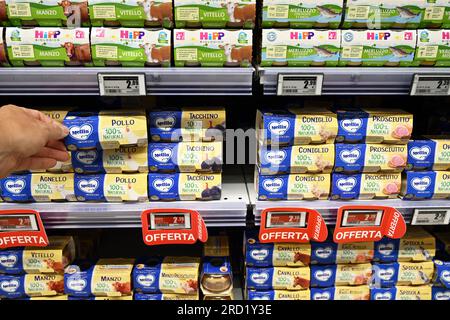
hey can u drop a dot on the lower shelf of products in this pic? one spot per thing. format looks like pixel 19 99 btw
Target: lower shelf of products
pixel 231 210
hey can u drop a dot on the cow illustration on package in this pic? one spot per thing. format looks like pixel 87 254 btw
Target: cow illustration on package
pixel 131 47
pixel 48 13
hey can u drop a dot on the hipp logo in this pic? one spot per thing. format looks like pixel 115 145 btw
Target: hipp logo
pixel 132 35
pixel 378 35
pixel 211 35
pixel 40 34
pixel 445 35
pixel 295 35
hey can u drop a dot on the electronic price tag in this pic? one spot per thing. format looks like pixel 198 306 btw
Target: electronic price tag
pixel 368 223
pixel 172 226
pixel 21 228
pixel 296 225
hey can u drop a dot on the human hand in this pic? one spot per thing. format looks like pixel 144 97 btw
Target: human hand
pixel 29 140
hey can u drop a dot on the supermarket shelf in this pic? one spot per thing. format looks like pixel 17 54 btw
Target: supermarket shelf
pixel 231 210
pixel 329 208
pixel 353 81
pixel 160 81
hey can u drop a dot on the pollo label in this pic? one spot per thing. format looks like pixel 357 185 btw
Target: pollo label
pixel 368 223
pixel 172 226
pixel 21 228
pixel 293 225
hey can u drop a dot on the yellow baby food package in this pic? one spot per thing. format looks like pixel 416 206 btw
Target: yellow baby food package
pixel 296 159
pixel 278 278
pixel 52 187
pixel 184 186
pixel 371 125
pixel 279 295
pixel 324 276
pixel 293 186
pixel 176 275
pixel 39 260
pixel 358 252
pixel 187 124
pixel 106 130
pixel 365 186
pixel 341 293
pixel 202 157
pixel 122 160
pixel 108 277
pixel 417 245
pixel 56 114
pixel 111 187
pixel 296 126
pixel 370 158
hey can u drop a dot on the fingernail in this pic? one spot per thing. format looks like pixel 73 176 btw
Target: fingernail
pixel 65 130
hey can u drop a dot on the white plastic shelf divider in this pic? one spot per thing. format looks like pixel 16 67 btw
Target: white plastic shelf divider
pixel 159 81
pixel 353 81
pixel 231 210
pixel 329 208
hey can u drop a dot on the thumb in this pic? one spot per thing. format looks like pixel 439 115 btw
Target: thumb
pixel 54 130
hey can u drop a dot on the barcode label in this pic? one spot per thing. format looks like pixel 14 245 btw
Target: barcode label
pixel 430 217
pixel 429 85
pixel 122 84
pixel 299 85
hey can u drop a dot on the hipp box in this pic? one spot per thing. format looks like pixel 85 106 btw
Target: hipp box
pixel 48 13
pixel 433 48
pixel 213 48
pixel 215 13
pixel 48 47
pixel 131 13
pixel 131 47
pixel 300 48
pixel 302 13
pixel 378 48
pixel 379 14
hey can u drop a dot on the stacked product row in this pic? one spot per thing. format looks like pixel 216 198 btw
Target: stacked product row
pixel 130 13
pixel 386 270
pixel 373 14
pixel 351 48
pixel 371 150
pixel 114 162
pixel 138 47
pixel 30 274
pixel 127 47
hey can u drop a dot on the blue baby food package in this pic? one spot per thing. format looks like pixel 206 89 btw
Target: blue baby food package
pixel 421 154
pixel 352 125
pixel 440 293
pixel 442 274
pixel 386 250
pixel 426 185
pixel 16 188
pixel 323 252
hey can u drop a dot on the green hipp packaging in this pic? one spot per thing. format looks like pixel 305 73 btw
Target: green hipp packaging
pixel 3 60
pixel 302 13
pixel 131 47
pixel 215 13
pixel 436 14
pixel 378 48
pixel 48 47
pixel 213 48
pixel 382 14
pixel 433 48
pixel 300 48
pixel 48 13
pixel 131 13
